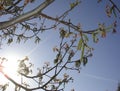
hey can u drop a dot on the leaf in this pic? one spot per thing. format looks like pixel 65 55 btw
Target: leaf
pixel 95 39
pixel 32 1
pixel 62 33
pixel 114 12
pixel 103 34
pixel 1 7
pixel 27 27
pixel 72 5
pixel 68 34
pixel 10 40
pixel 4 87
pixel 82 52
pixel 37 39
pixel 99 1
pixel 86 37
pixel 55 49
pixel 26 2
pixel 18 39
pixel 115 24
pixel 114 30
pixel 85 60
pixel 8 2
pixel 77 63
pixel 55 61
pixel 79 44
pixel 111 9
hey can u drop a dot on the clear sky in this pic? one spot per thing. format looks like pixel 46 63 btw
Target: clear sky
pixel 102 71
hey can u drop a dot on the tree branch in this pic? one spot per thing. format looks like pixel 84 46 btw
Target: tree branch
pixel 76 28
pixel 15 83
pixel 115 6
pixel 25 16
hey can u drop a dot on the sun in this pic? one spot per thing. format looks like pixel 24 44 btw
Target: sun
pixel 10 66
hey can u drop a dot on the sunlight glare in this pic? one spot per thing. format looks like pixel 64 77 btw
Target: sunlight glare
pixel 11 66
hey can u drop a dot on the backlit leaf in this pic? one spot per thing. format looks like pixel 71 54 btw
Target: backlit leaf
pixel 26 2
pixel 79 44
pixel 95 38
pixel 37 39
pixel 82 52
pixel 103 34
pixel 85 60
pixel 18 39
pixel 10 40
pixel 55 61
pixel 85 37
pixel 77 63
pixel 62 33
pixel 114 12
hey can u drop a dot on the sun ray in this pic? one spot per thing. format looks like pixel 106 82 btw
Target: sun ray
pixel 10 66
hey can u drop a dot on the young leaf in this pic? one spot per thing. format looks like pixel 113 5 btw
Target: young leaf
pixel 82 52
pixel 95 39
pixel 114 12
pixel 85 37
pixel 103 34
pixel 79 44
pixel 26 2
pixel 18 39
pixel 85 60
pixel 37 39
pixel 62 33
pixel 72 5
pixel 1 7
pixel 68 34
pixel 10 40
pixel 114 30
pixel 55 61
pixel 77 63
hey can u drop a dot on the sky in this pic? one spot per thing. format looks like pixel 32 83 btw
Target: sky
pixel 102 71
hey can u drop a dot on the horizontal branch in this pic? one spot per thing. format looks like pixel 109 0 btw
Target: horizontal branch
pixel 76 28
pixel 25 16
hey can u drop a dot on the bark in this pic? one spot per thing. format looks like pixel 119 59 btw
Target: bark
pixel 26 16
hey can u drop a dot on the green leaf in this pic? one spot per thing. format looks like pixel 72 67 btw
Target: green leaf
pixel 82 52
pixel 85 36
pixel 79 44
pixel 68 34
pixel 72 5
pixel 111 9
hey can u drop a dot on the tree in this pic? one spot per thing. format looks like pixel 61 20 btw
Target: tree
pixel 73 40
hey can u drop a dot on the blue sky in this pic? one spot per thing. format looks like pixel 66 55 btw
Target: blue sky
pixel 102 71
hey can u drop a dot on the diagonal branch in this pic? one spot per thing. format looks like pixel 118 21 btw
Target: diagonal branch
pixel 25 16
pixel 115 6
pixel 15 83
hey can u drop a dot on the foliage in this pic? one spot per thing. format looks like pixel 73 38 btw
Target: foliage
pixel 73 40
